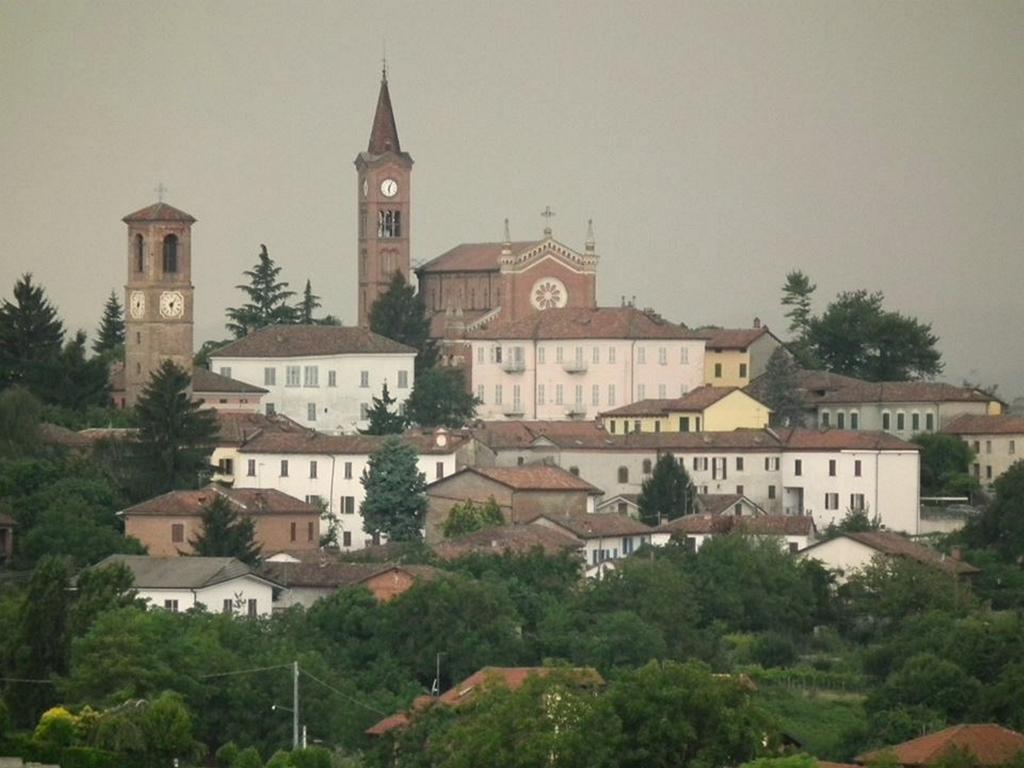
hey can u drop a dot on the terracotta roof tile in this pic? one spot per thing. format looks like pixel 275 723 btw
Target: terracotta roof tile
pixel 234 428
pixel 695 400
pixel 474 257
pixel 517 539
pixel 159 212
pixel 717 503
pixel 247 501
pixel 838 439
pixel 985 425
pixel 310 341
pixel 204 380
pixel 991 745
pixel 337 574
pixel 589 526
pixel 310 441
pixel 763 525
pixel 731 338
pixel 586 323
pixel 536 477
pixel 902 392
pixel 893 544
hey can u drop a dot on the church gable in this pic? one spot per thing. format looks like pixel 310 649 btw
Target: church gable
pixel 548 250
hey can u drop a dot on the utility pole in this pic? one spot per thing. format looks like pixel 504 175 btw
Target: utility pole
pixel 295 705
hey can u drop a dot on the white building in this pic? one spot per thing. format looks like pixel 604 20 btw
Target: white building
pixel 791 532
pixel 852 552
pixel 575 363
pixel 327 469
pixel 322 376
pixel 605 537
pixel 220 584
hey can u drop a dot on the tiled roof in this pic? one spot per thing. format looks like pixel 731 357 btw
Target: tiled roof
pixel 55 434
pixel 204 380
pixel 179 572
pixel 899 546
pixel 310 441
pixel 247 501
pixel 474 257
pixel 903 392
pixel 384 133
pixel 517 539
pixel 159 212
pixel 585 323
pixel 763 525
pixel 234 428
pixel 535 477
pixel 335 574
pixel 990 745
pixel 731 338
pixel 717 503
pixel 310 341
pixel 695 400
pixel 797 439
pixel 590 526
pixel 985 425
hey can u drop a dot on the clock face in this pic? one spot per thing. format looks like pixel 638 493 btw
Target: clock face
pixel 366 187
pixel 137 304
pixel 389 187
pixel 172 304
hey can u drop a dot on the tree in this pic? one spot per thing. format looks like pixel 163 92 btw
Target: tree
pixel 401 314
pixel 667 493
pixel 857 337
pixel 176 435
pixel 309 304
pixel 384 418
pixel 440 399
pixel 31 335
pixel 468 517
pixel 109 342
pixel 395 504
pixel 20 414
pixel 73 382
pixel 268 298
pixel 781 390
pixel 796 294
pixel 1000 526
pixel 945 465
pixel 225 534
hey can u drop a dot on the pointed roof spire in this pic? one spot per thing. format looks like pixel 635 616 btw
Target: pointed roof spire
pixel 589 244
pixel 384 134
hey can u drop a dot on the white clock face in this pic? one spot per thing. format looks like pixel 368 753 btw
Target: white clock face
pixel 137 304
pixel 172 304
pixel 366 187
pixel 389 187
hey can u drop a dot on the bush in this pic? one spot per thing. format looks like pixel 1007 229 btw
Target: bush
pixel 247 758
pixel 280 759
pixel 311 757
pixel 773 650
pixel 90 757
pixel 56 728
pixel 227 754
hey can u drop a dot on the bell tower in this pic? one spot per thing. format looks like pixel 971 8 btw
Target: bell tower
pixel 383 174
pixel 158 294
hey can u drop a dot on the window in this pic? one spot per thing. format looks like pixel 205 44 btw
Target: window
pixel 684 355
pixel 311 411
pixel 225 371
pixel 332 378
pixel 389 224
pixel 439 470
pixel 718 370
pixel 480 354
pixel 771 491
pixel 348 505
pixel 739 465
pixel 252 608
pixel 310 531
pixel 856 468
pixel 793 547
pixel 170 254
pixel 641 355
pixel 226 466
pixel 558 394
pixel 854 420
pixel 364 379
pixel 743 370
pixel 269 376
pixel 579 356
pixel 641 391
pixel 661 391
pixel 831 501
pixel 627 545
pixel 497 394
pixel 831 467
pixel 348 470
pixel 578 400
pixel 611 426
pixel 140 251
pixel 293 531
pixel 684 423
pixel 558 354
pixel 915 421
pixel 312 470
pixel 517 400
pixel 595 355
pixel 269 409
pixel 228 606
pixel 976 445
pixel 284 467
pixel 901 421
pixel 313 498
pixel 826 419
pixel 988 471
pixel 480 392
pixel 595 393
pixel 540 355
pixel 798 467
pixel 1013 447
pixel 292 374
pixel 540 394
pixel 346 539
pixel 929 422
pixel 251 468
pixel 311 376
pixel 636 425
pixel 857 502
pixel 988 446
pixel 611 395
pixel 657 426
pixel 739 491
pixel 364 411
pixel 719 468
pixel 662 356
pixel 647 466
pixel 177 533
pixel 403 379
pixel 840 420
pixel 623 475
pixel 611 355
pixel 171 605
pixel 885 420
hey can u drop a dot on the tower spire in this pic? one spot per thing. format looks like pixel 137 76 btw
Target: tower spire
pixel 384 134
pixel 589 245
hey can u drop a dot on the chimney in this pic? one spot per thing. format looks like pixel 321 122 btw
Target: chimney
pixel 757 322
pixel 956 554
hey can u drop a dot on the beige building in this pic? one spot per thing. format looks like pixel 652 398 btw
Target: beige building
pixel 994 439
pixel 224 394
pixel 734 357
pixel 706 409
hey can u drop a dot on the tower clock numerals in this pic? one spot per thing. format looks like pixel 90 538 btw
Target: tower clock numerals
pixel 389 187
pixel 172 304
pixel 137 304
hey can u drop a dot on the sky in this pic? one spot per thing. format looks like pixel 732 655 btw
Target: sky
pixel 716 146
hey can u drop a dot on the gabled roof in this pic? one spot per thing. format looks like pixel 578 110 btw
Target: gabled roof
pixel 336 574
pixel 797 439
pixel 904 392
pixel 763 525
pixel 990 744
pixel 985 425
pixel 310 341
pixel 592 526
pixel 585 323
pixel 517 539
pixel 312 442
pixel 246 501
pixel 895 545
pixel 529 477
pixel 234 428
pixel 159 212
pixel 718 503
pixel 695 400
pixel 384 133
pixel 732 338
pixel 180 572
pixel 475 257
pixel 205 380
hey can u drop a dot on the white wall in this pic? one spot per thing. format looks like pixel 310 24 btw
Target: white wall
pixel 842 555
pixel 245 587
pixel 338 407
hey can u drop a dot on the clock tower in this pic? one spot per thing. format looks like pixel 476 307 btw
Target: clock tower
pixel 383 174
pixel 158 294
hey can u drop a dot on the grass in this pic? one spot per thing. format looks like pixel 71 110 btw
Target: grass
pixel 829 724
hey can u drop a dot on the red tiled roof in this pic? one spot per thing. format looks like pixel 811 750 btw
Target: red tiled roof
pixel 695 400
pixel 763 525
pixel 474 257
pixel 586 323
pixel 590 526
pixel 535 477
pixel 985 425
pixel 248 501
pixel 336 574
pixel 234 428
pixel 159 212
pixel 903 392
pixel 310 441
pixel 310 341
pixel 717 503
pixel 990 744
pixel 837 439
pixel 517 539
pixel 731 338
pixel 895 545
pixel 204 380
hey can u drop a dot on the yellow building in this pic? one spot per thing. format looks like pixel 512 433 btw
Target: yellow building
pixel 735 356
pixel 707 409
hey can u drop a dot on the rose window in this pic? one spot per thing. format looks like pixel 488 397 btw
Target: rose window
pixel 549 293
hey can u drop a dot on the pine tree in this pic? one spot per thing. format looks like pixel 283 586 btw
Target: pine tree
pixel 268 299
pixel 31 335
pixel 225 534
pixel 309 304
pixel 780 388
pixel 75 382
pixel 440 399
pixel 400 314
pixel 796 294
pixel 383 417
pixel 176 436
pixel 110 339
pixel 667 493
pixel 395 505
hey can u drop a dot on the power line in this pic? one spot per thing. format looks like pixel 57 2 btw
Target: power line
pixel 26 680
pixel 341 693
pixel 245 671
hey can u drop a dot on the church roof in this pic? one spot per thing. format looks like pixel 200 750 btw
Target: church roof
pixel 586 323
pixel 159 212
pixel 474 257
pixel 384 134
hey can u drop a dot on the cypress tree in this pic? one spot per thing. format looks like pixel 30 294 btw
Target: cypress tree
pixel 401 315
pixel 384 419
pixel 110 339
pixel 667 493
pixel 225 534
pixel 395 503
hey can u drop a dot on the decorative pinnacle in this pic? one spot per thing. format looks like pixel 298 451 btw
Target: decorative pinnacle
pixel 589 243
pixel 547 213
pixel 508 235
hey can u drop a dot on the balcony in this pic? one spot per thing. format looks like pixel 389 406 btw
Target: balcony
pixel 576 412
pixel 575 366
pixel 513 366
pixel 514 412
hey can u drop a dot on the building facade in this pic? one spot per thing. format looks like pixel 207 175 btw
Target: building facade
pixel 705 409
pixel 736 356
pixel 994 440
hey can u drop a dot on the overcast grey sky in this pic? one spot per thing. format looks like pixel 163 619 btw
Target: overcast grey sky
pixel 716 146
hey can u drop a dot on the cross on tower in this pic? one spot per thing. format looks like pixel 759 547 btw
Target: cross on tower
pixel 160 189
pixel 547 213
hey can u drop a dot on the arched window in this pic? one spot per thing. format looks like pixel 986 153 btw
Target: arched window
pixel 140 260
pixel 647 466
pixel 623 475
pixel 170 254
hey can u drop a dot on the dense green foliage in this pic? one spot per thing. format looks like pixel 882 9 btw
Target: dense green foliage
pixel 945 465
pixel 395 505
pixel 401 314
pixel 110 336
pixel 384 418
pixel 225 534
pixel 667 493
pixel 267 298
pixel 440 399
pixel 1000 526
pixel 468 517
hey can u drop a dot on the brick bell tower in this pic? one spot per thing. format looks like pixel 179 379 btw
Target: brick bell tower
pixel 158 294
pixel 383 175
